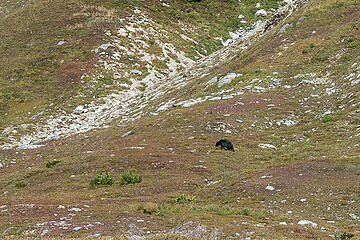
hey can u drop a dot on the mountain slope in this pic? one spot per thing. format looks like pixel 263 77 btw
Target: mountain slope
pixel 288 98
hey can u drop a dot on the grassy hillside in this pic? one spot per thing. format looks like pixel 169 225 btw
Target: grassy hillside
pixel 291 111
pixel 38 71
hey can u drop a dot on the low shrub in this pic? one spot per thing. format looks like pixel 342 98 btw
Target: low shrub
pixel 344 236
pixel 148 208
pixel 326 119
pixel 130 178
pixel 20 185
pixel 102 179
pixel 185 198
pixel 52 163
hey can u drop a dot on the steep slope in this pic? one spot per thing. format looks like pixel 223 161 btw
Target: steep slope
pixel 58 56
pixel 287 98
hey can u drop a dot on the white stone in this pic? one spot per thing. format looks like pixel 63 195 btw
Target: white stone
pixel 261 13
pixel 227 79
pixel 135 71
pixel 266 145
pixel 127 134
pixel 61 43
pixel 74 210
pixel 284 28
pixel 79 109
pixel 307 222
pixel 212 81
pixel 270 188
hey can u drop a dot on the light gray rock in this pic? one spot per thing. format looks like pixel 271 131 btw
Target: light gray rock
pixel 227 79
pixel 61 43
pixel 284 28
pixel 79 109
pixel 127 134
pixel 135 71
pixel 261 13
pixel 307 222
pixel 300 20
pixel 212 81
pixel 266 145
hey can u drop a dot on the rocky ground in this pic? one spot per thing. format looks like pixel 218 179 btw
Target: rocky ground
pixel 285 92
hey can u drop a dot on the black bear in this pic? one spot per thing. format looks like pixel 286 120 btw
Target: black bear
pixel 225 144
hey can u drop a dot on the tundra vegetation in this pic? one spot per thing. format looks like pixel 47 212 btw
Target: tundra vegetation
pixel 90 89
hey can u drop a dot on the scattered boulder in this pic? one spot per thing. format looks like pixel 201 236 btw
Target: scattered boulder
pixel 300 20
pixel 228 78
pixel 266 145
pixel 225 144
pixel 261 13
pixel 61 43
pixel 79 109
pixel 307 222
pixel 212 81
pixel 284 28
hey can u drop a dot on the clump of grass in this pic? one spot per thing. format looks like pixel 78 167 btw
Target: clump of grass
pixel 326 119
pixel 307 134
pixel 162 211
pixel 20 185
pixel 261 214
pixel 224 211
pixel 352 43
pixel 130 178
pixel 148 208
pixel 344 236
pixel 102 179
pixel 185 198
pixel 245 212
pixel 52 163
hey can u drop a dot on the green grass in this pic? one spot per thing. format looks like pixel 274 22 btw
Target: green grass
pixel 312 158
pixel 130 178
pixel 327 118
pixel 52 163
pixel 102 179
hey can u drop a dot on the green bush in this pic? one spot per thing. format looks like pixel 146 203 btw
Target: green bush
pixel 52 163
pixel 130 178
pixel 102 179
pixel 307 134
pixel 148 208
pixel 326 119
pixel 162 211
pixel 185 198
pixel 20 185
pixel 344 236
pixel 245 212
